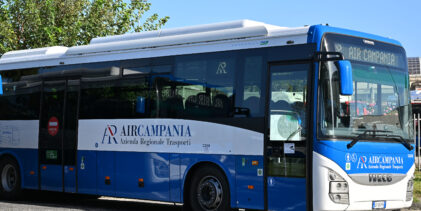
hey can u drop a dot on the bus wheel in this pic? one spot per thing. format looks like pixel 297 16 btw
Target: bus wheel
pixel 209 190
pixel 10 184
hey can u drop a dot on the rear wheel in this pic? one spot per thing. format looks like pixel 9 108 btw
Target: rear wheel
pixel 10 182
pixel 209 190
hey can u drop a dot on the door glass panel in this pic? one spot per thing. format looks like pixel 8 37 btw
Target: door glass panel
pixel 287 103
pixel 51 123
pixel 70 122
pixel 288 120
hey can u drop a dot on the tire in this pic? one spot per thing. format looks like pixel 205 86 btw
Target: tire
pixel 85 196
pixel 10 180
pixel 209 190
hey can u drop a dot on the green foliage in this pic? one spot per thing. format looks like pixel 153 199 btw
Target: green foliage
pixel 417 186
pixel 28 24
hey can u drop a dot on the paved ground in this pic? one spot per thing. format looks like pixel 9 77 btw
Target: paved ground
pixel 36 201
pixel 416 206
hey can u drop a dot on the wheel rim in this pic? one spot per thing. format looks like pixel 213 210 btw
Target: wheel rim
pixel 8 178
pixel 209 193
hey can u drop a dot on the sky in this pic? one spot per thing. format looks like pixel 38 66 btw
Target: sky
pixel 397 19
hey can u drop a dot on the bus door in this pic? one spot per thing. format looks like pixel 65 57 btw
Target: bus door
pixel 58 135
pixel 286 144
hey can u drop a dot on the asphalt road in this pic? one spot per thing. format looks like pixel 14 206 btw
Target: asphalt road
pixel 56 201
pixel 46 201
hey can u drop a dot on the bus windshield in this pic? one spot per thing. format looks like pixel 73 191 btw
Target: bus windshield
pixel 380 103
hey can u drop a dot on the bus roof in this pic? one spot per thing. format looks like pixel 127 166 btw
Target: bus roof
pixel 231 35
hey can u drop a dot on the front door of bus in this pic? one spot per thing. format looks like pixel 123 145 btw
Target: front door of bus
pixel 58 135
pixel 286 147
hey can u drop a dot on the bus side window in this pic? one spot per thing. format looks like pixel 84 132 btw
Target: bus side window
pixel 20 101
pixel 185 99
pixel 115 98
pixel 222 105
pixel 21 97
pixel 206 84
pixel 252 85
pixel 170 102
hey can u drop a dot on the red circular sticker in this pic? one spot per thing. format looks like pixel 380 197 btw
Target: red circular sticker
pixel 53 126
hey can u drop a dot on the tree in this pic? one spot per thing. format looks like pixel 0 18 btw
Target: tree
pixel 26 24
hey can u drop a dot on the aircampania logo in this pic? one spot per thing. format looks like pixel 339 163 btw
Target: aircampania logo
pixel 147 134
pixel 379 162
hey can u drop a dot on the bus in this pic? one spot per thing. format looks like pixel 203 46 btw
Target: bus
pixel 232 115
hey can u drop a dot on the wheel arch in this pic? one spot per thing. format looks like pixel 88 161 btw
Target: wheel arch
pixel 224 170
pixel 11 155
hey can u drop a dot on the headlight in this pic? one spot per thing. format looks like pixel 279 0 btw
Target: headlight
pixel 410 189
pixel 338 188
pixel 333 176
pixel 410 185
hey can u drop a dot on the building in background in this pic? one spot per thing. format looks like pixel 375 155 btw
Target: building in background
pixel 414 68
pixel 414 65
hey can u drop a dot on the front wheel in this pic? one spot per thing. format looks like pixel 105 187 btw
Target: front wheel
pixel 209 190
pixel 10 182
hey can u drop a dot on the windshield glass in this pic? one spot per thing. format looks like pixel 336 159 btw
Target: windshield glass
pixel 380 101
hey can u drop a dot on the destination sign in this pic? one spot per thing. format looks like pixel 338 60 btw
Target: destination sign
pixel 367 54
pixel 366 50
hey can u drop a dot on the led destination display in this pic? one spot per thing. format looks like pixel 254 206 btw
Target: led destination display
pixel 367 51
pixel 359 53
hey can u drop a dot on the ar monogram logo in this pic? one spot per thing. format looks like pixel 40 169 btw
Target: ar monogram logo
pixel 362 162
pixel 109 133
pixel 221 68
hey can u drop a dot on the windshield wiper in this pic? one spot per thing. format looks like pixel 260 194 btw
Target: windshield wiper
pixel 365 135
pixel 401 140
pixel 295 132
pixel 373 134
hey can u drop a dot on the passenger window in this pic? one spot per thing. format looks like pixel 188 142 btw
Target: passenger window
pixel 20 101
pixel 113 97
pixel 252 85
pixel 202 87
pixel 147 70
pixel 21 96
pixel 183 99
pixel 170 100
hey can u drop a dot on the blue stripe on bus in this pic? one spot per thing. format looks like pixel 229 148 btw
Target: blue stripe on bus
pixel 28 162
pixel 279 199
pixel 248 175
pixel 52 178
pixel 69 179
pixel 163 174
pixel 387 157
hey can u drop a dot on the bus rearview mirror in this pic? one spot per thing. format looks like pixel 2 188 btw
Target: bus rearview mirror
pixel 345 77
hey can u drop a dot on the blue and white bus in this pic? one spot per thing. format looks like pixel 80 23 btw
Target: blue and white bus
pixel 239 114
